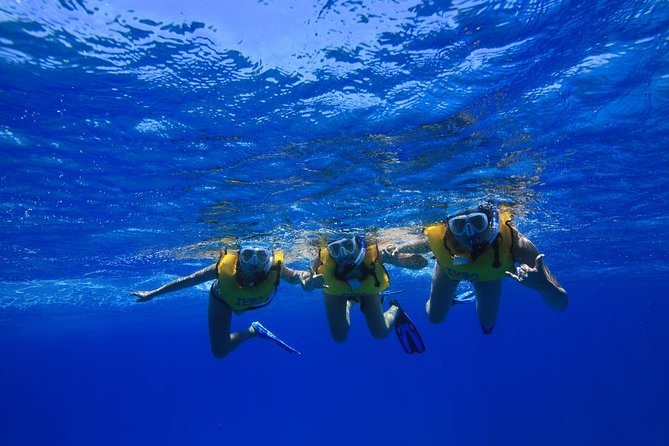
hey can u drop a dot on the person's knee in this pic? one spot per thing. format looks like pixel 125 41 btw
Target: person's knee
pixel 433 316
pixel 219 354
pixel 339 338
pixel 436 318
pixel 379 333
pixel 338 330
pixel 339 335
pixel 220 351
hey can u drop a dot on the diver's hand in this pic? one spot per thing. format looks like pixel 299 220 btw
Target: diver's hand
pixel 534 278
pixel 144 296
pixel 389 254
pixel 311 281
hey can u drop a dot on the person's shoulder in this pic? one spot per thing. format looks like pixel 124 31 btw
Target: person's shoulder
pixel 523 246
pixel 519 238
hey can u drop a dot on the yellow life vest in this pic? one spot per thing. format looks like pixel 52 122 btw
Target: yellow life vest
pixel 490 265
pixel 375 275
pixel 246 297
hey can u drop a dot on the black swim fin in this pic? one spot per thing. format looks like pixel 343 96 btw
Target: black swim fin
pixel 407 333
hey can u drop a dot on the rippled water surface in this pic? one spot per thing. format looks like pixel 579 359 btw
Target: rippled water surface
pixel 138 138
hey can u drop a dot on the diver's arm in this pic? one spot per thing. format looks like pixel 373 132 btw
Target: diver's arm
pixel 535 274
pixel 407 255
pixel 293 276
pixel 309 280
pixel 420 246
pixel 201 276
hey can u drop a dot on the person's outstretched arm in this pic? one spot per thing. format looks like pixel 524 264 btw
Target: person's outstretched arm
pixel 534 273
pixel 309 280
pixel 407 255
pixel 204 275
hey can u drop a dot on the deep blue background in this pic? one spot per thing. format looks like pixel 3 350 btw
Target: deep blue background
pixel 593 375
pixel 136 141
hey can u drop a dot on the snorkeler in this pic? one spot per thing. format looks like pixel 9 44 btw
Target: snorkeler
pixel 244 280
pixel 482 246
pixel 353 273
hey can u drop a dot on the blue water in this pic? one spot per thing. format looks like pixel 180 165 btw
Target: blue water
pixel 136 141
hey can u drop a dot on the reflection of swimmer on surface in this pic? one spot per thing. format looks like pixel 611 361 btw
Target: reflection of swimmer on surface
pixel 353 273
pixel 482 246
pixel 245 280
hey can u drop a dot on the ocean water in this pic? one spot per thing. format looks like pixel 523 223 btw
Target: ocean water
pixel 137 139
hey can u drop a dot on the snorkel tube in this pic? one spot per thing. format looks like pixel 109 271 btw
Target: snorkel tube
pixel 361 255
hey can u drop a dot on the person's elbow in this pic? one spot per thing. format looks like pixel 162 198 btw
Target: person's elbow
pixel 562 304
pixel 559 300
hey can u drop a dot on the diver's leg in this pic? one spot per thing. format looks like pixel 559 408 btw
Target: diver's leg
pixel 487 303
pixel 442 293
pixel 220 339
pixel 339 320
pixel 378 322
